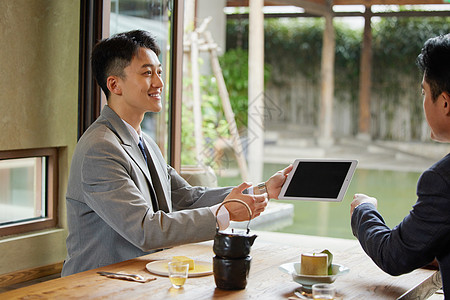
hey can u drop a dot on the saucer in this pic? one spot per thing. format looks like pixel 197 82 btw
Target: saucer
pixel 160 267
pixel 308 280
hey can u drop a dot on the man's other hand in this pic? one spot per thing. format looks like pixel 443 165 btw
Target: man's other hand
pixel 360 199
pixel 239 212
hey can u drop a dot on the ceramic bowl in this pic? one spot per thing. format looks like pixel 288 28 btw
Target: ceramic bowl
pixel 308 280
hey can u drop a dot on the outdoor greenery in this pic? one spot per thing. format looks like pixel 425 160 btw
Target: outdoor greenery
pixel 214 126
pixel 293 51
pixel 234 64
pixel 293 46
pixel 396 79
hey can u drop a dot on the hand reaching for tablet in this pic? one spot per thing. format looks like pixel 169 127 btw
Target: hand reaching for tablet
pixel 276 181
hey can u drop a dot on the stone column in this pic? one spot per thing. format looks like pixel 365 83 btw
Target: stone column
pixel 255 153
pixel 365 79
pixel 327 83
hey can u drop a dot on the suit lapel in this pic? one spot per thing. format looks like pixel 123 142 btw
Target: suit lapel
pixel 128 143
pixel 135 153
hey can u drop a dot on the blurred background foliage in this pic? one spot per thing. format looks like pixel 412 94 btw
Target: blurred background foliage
pixel 234 64
pixel 292 74
pixel 293 46
pixel 214 124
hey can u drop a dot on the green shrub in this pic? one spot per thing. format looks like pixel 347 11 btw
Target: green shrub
pixel 293 46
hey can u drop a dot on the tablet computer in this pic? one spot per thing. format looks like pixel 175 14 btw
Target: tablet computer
pixel 318 180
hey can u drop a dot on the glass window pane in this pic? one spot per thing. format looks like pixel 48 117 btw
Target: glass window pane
pixel 214 133
pixel 21 192
pixel 152 16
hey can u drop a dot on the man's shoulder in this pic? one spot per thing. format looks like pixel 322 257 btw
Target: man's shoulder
pixel 98 132
pixel 435 180
pixel 105 125
pixel 98 138
pixel 442 167
pixel 442 163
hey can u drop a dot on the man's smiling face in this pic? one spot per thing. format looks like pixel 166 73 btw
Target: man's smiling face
pixel 142 86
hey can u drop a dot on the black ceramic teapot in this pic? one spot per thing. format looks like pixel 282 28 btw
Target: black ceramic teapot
pixel 231 264
pixel 234 244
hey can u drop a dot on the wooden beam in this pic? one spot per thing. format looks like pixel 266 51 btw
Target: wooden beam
pixel 309 6
pixel 388 2
pixel 405 14
pixel 316 7
pixel 365 82
pixel 244 3
pixel 327 83
pixel 402 14
pixel 256 91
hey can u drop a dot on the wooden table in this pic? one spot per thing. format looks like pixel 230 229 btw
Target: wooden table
pixel 364 281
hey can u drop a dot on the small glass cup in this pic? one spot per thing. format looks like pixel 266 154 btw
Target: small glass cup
pixel 323 291
pixel 178 273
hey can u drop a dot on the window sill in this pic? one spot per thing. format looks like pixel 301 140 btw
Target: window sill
pixel 11 238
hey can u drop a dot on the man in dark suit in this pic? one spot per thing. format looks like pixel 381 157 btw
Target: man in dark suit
pixel 424 234
pixel 123 200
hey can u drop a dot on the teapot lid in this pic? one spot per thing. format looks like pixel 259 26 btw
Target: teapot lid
pixel 232 233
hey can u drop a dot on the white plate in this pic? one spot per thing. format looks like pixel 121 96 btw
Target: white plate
pixel 160 267
pixel 308 280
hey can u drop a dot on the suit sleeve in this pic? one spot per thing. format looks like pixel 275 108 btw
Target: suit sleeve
pixel 415 241
pixel 185 196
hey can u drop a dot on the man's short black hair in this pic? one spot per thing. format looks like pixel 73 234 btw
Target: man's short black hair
pixel 112 55
pixel 434 61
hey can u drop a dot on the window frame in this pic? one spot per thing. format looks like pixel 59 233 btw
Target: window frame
pixel 94 20
pixel 176 87
pixel 89 97
pixel 51 195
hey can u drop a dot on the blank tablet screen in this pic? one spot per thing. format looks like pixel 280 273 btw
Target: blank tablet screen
pixel 318 179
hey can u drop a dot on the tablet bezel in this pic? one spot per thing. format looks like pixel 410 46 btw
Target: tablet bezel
pixel 344 186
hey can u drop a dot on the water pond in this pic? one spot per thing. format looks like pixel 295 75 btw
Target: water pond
pixel 395 191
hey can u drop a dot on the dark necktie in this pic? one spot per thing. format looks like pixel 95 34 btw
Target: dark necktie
pixel 152 192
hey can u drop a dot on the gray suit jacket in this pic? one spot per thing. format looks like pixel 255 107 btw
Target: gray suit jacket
pixel 109 209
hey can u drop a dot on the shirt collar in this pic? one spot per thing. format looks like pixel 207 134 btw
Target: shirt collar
pixel 133 132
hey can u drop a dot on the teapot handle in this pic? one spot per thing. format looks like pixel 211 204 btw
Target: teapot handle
pixel 250 214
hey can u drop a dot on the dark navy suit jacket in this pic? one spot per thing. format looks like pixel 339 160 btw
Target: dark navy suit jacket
pixel 423 235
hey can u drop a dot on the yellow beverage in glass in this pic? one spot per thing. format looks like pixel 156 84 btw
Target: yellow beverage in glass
pixel 178 280
pixel 178 272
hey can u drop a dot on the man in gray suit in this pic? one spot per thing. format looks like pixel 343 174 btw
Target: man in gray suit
pixel 123 200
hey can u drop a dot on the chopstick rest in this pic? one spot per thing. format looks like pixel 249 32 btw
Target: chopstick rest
pixel 131 277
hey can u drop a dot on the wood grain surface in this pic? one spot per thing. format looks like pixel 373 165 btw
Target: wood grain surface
pixel 364 281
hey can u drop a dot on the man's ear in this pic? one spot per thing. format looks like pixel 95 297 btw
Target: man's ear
pixel 112 82
pixel 446 102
